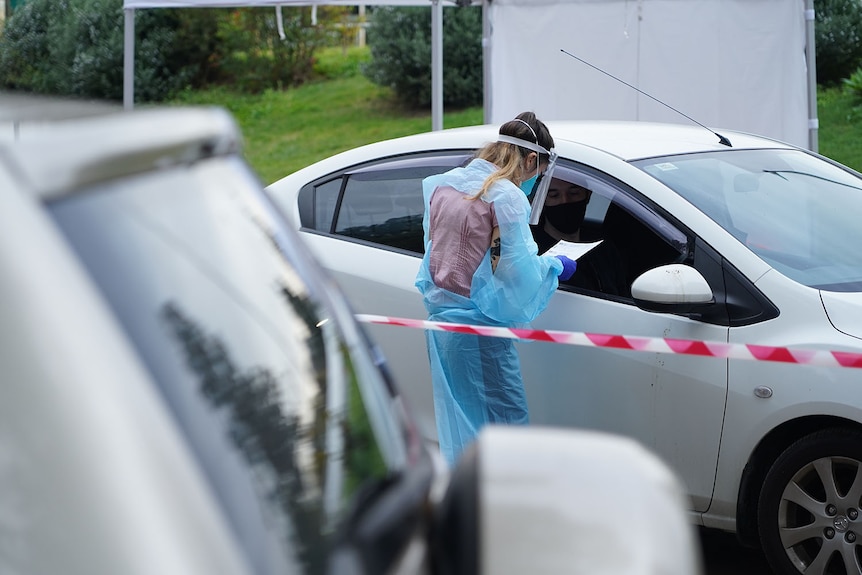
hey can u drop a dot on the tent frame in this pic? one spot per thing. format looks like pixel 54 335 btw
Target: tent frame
pixel 436 52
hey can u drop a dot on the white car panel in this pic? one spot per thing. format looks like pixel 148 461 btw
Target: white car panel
pixel 646 396
pixel 844 311
pixel 506 505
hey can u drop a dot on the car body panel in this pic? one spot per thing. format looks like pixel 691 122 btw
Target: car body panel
pixel 844 311
pixel 797 391
pixel 73 337
pixel 646 396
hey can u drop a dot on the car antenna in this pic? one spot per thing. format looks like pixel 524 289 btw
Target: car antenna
pixel 721 139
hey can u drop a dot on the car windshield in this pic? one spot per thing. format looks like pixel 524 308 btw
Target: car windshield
pixel 797 212
pixel 269 380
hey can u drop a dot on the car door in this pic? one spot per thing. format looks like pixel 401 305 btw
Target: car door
pixel 673 404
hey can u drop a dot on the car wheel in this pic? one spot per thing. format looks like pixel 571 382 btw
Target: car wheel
pixel 809 509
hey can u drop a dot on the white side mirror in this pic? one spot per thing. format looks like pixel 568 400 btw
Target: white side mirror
pixel 672 284
pixel 545 500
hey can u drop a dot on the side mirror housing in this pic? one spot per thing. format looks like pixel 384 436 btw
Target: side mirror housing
pixel 544 500
pixel 672 288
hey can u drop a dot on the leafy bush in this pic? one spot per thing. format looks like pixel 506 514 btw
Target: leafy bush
pixel 400 43
pixel 853 85
pixel 838 39
pixel 25 45
pixel 75 47
pixel 255 58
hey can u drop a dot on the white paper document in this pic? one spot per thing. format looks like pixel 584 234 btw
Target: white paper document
pixel 572 250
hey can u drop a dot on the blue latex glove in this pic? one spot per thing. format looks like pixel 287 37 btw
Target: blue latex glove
pixel 569 267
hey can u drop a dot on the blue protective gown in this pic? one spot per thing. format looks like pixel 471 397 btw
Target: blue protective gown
pixel 477 379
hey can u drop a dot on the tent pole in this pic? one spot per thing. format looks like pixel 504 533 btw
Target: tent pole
pixel 129 60
pixel 811 61
pixel 436 65
pixel 486 60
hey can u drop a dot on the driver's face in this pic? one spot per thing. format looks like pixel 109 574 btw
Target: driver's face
pixel 563 192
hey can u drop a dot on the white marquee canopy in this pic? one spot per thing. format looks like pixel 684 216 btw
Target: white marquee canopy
pixel 740 64
pixel 736 64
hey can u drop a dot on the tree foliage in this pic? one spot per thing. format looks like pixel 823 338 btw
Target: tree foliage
pixel 255 58
pixel 400 42
pixel 838 39
pixel 75 48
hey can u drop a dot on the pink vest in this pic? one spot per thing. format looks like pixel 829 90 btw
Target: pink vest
pixel 460 230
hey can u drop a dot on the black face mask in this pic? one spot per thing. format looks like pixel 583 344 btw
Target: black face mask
pixel 566 217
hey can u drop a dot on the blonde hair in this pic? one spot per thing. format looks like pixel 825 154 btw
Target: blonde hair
pixel 508 157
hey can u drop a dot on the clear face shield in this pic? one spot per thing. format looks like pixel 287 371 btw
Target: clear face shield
pixel 540 190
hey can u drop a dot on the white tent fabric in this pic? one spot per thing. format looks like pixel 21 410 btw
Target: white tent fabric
pixel 737 64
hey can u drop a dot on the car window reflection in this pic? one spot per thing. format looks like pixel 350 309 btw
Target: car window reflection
pixel 794 210
pixel 379 203
pixel 256 370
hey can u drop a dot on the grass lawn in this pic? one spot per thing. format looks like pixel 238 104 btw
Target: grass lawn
pixel 287 130
pixel 840 132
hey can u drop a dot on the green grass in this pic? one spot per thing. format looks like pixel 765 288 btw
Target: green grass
pixel 840 116
pixel 287 130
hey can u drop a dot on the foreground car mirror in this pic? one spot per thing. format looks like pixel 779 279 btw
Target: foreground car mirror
pixel 545 500
pixel 673 288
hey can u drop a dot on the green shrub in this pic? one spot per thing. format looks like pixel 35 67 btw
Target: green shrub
pixel 255 58
pixel 838 39
pixel 75 48
pixel 400 43
pixel 25 45
pixel 853 85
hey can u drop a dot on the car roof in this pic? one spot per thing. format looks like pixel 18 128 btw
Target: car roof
pixel 626 140
pixel 53 157
pixel 634 140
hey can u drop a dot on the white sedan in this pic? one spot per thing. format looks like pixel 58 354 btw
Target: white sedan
pixel 768 235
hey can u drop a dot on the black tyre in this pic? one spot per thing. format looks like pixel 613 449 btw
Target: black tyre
pixel 810 509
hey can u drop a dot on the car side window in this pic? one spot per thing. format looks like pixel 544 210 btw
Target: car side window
pixel 642 239
pixel 325 202
pixel 634 237
pixel 384 207
pixel 379 203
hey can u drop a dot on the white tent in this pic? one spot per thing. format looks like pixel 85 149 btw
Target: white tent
pixel 741 64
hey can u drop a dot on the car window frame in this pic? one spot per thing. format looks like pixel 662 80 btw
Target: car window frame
pixel 738 302
pixel 306 200
pixel 635 205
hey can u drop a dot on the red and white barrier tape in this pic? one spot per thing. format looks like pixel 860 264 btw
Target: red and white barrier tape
pixel 650 344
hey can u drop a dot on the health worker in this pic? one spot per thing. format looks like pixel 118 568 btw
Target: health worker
pixel 481 267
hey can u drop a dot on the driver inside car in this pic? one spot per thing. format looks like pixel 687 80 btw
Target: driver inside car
pixel 562 218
